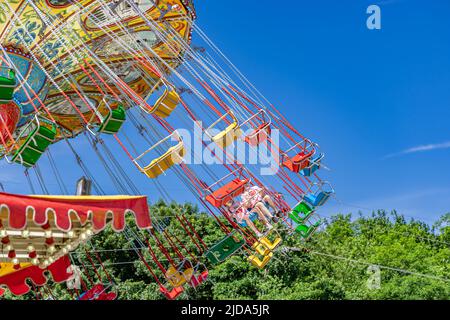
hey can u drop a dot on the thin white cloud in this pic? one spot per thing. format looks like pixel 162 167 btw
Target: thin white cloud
pixel 422 148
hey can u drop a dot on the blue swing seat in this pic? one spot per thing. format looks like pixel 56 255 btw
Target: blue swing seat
pixel 317 199
pixel 315 165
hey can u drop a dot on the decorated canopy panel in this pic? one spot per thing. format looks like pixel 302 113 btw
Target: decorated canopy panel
pixel 50 41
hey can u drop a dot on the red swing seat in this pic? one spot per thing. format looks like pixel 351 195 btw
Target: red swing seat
pixel 198 280
pixel 98 292
pixel 298 162
pixel 260 125
pixel 259 135
pixel 228 192
pixel 173 294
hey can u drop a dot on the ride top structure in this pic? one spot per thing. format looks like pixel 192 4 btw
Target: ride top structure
pixel 135 75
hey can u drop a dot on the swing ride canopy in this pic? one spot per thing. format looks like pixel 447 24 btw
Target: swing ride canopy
pixel 51 62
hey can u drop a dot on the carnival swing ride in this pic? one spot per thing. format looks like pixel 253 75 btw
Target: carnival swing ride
pixel 108 70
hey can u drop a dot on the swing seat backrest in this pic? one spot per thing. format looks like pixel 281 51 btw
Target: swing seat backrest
pixel 317 199
pixel 160 165
pixel 270 245
pixel 301 213
pixel 166 104
pixel 198 280
pixel 92 293
pixel 178 276
pixel 102 295
pixel 113 121
pixel 313 167
pixel 303 230
pixel 224 249
pixel 228 136
pixel 308 172
pixel 259 135
pixel 295 218
pixel 33 146
pixel 172 294
pixel 260 248
pixel 306 231
pixel 298 162
pixel 257 262
pixel 302 209
pixel 8 84
pixel 228 192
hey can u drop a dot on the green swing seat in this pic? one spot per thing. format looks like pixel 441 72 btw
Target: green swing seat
pixel 224 248
pixel 35 145
pixel 301 213
pixel 8 84
pixel 306 231
pixel 113 121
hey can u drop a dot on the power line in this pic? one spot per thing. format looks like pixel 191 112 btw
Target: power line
pixel 295 249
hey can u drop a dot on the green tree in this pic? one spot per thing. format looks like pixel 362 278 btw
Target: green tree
pixel 413 259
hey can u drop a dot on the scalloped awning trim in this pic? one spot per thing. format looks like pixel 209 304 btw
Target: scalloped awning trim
pixel 17 282
pixel 65 209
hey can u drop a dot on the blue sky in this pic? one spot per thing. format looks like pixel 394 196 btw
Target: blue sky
pixel 361 94
pixel 377 101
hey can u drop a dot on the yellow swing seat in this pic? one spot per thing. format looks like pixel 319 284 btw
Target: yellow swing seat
pixel 264 245
pixel 160 165
pixel 171 157
pixel 177 278
pixel 229 135
pixel 257 262
pixel 269 244
pixel 260 248
pixel 166 103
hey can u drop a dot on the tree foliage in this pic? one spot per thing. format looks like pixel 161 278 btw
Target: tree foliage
pixel 413 259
